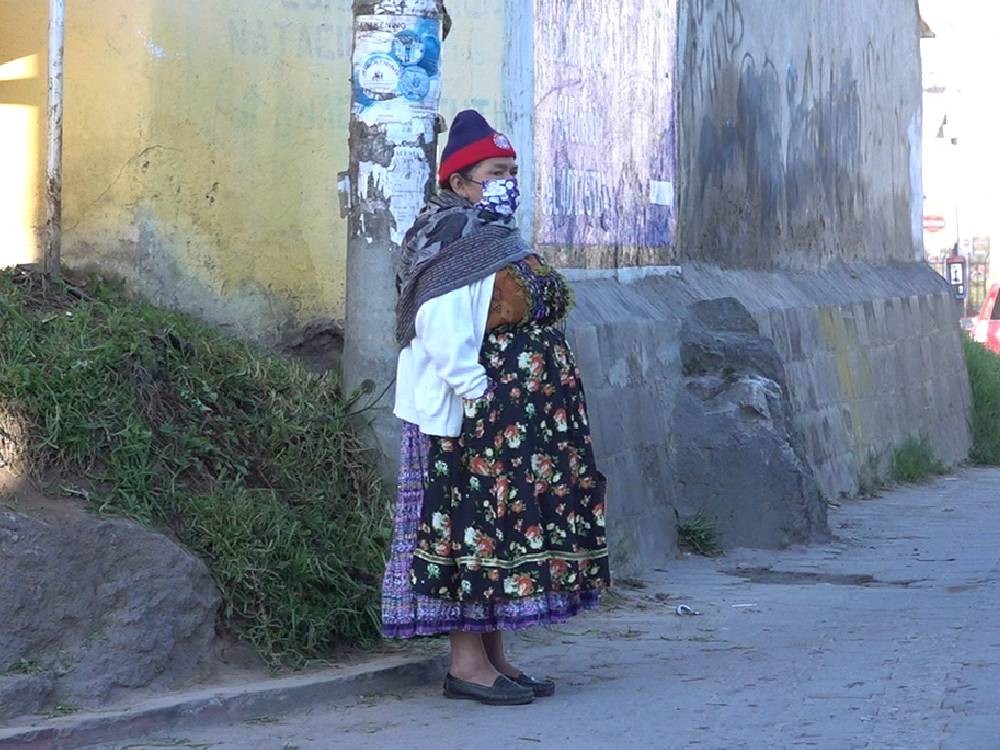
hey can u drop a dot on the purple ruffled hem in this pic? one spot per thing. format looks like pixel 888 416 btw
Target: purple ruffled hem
pixel 453 616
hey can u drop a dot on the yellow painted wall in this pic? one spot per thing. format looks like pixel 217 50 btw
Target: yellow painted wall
pixel 203 142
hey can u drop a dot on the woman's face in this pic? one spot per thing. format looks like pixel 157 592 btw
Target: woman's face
pixel 471 189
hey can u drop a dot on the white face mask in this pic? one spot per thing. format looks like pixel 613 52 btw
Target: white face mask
pixel 500 196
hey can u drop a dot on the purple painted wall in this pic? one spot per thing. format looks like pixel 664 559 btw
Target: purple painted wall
pixel 605 132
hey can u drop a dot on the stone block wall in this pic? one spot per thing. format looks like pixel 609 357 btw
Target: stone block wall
pixel 872 355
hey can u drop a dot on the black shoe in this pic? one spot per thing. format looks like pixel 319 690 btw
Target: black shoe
pixel 504 692
pixel 539 688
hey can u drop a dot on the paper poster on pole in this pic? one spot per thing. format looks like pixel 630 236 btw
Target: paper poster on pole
pixel 397 65
pixel 397 87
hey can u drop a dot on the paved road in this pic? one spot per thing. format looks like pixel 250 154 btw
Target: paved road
pixel 888 637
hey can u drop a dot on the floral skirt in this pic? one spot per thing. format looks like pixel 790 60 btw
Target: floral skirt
pixel 502 528
pixel 407 614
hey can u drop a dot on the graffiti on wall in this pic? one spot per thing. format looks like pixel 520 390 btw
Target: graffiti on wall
pixel 798 153
pixel 605 131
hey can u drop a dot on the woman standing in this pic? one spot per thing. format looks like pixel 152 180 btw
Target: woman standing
pixel 500 514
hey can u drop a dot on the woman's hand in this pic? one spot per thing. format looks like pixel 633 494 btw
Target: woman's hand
pixel 473 405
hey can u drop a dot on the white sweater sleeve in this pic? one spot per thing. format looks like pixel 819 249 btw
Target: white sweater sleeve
pixel 446 330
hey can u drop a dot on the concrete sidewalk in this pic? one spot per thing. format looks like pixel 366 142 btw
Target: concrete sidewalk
pixel 888 637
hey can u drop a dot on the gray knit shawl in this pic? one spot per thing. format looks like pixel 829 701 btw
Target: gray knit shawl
pixel 452 243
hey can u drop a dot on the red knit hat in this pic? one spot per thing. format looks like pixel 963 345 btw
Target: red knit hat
pixel 470 141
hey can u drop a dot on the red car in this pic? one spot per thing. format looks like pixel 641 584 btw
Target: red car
pixel 987 328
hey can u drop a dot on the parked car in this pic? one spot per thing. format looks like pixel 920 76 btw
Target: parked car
pixel 987 328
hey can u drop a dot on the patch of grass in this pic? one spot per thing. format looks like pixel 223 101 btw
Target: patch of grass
pixel 186 744
pixel 871 481
pixel 613 599
pixel 264 720
pixel 63 664
pixel 62 709
pixel 698 534
pixel 914 461
pixel 631 583
pixel 246 458
pixel 984 377
pixel 24 666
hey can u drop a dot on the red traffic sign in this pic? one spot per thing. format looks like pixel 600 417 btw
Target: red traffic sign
pixel 933 223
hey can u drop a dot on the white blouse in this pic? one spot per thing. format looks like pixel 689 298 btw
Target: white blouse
pixel 440 367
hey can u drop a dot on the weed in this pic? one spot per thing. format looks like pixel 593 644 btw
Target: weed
pixel 984 377
pixel 62 709
pixel 631 583
pixel 914 461
pixel 699 534
pixel 613 599
pixel 63 664
pixel 24 666
pixel 266 719
pixel 181 743
pixel 871 481
pixel 246 458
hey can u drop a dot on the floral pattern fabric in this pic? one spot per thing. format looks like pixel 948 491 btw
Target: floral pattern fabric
pixel 514 508
pixel 407 614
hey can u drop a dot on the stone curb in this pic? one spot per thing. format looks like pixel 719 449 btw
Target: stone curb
pixel 208 706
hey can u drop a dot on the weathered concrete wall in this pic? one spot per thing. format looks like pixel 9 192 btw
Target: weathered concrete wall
pixel 202 145
pixel 800 132
pixel 872 355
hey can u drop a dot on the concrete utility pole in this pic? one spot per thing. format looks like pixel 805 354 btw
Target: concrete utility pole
pixel 393 160
pixel 52 253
